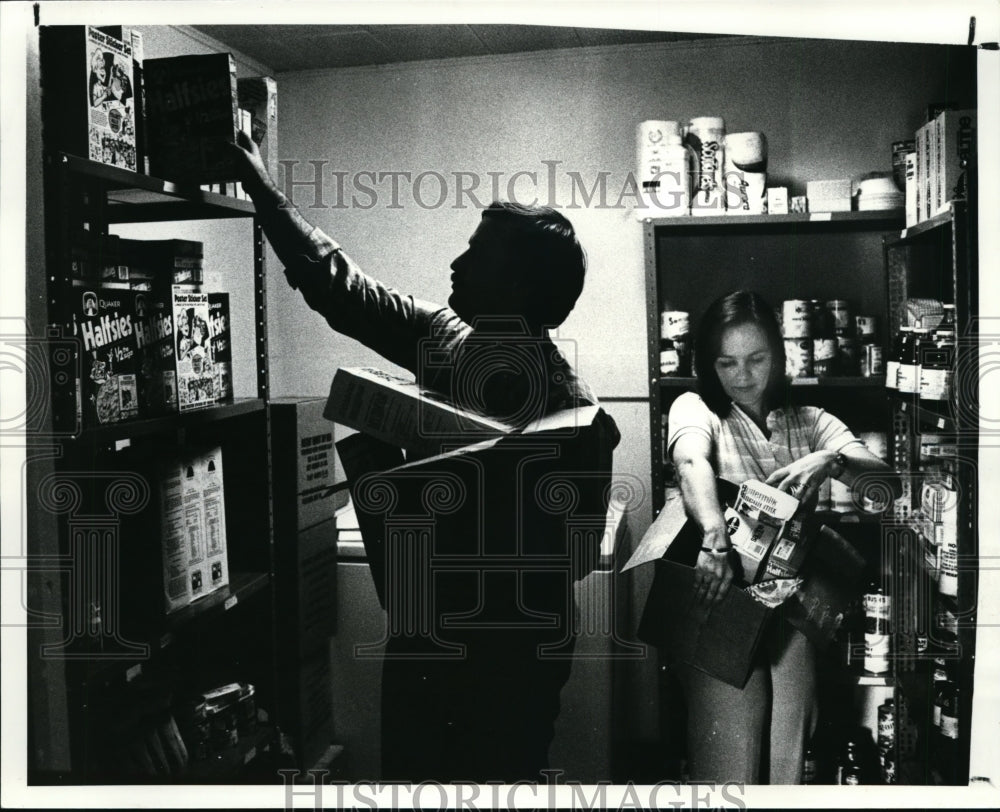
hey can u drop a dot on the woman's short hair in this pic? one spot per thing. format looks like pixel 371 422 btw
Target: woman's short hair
pixel 731 310
pixel 549 257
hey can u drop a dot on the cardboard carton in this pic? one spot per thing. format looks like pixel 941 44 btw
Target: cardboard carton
pixel 192 117
pixel 404 414
pixel 519 515
pixel 104 323
pixel 722 639
pixel 955 145
pixel 193 518
pixel 305 482
pixel 89 94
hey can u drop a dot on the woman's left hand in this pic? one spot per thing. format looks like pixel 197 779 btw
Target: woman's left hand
pixel 803 477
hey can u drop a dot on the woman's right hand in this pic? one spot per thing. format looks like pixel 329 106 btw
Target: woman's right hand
pixel 713 571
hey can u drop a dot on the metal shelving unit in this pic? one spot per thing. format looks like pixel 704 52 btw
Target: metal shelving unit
pixel 135 641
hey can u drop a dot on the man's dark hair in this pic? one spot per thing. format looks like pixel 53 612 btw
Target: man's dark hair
pixel 549 258
pixel 732 310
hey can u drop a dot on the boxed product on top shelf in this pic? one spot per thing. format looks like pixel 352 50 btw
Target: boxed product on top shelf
pixel 193 519
pixel 192 118
pixel 944 148
pixel 88 95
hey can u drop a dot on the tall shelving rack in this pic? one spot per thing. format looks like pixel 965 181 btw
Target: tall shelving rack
pixel 105 660
pixel 937 258
pixel 869 259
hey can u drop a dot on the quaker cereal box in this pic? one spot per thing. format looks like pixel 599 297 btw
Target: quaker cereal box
pixel 192 349
pixel 154 333
pixel 103 323
pixel 222 351
pixel 111 100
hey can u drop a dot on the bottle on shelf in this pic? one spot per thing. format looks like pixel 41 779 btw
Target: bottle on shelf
pixel 877 644
pixel 895 356
pixel 887 741
pixel 937 359
pixel 809 765
pixel 849 771
pixel 948 732
pixel 907 375
pixel 824 340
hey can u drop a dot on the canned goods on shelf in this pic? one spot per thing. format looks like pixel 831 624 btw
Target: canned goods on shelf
pixel 798 357
pixel 796 318
pixel 841 313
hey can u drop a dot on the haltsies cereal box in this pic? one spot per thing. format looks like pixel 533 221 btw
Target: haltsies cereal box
pixel 103 322
pixel 192 349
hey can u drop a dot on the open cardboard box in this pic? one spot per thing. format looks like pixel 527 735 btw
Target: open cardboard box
pixel 529 505
pixel 722 639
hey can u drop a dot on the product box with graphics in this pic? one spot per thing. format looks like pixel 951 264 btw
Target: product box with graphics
pixel 192 349
pixel 192 117
pixel 89 94
pixel 103 322
pixel 402 413
pixel 220 338
pixel 192 510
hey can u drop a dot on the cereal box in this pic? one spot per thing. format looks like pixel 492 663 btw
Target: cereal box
pixel 89 98
pixel 192 117
pixel 103 321
pixel 220 340
pixel 192 349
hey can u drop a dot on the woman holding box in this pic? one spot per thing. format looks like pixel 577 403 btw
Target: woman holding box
pixel 740 427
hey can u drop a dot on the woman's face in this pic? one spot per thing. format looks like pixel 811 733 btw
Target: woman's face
pixel 744 365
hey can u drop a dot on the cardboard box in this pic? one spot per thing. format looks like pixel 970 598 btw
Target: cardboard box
pixel 722 639
pixel 402 413
pixel 193 520
pixel 955 146
pixel 829 195
pixel 89 94
pixel 104 323
pixel 912 191
pixel 259 95
pixel 533 501
pixel 216 566
pixel 192 117
pixel 192 351
pixel 220 341
pixel 777 200
pixel 302 452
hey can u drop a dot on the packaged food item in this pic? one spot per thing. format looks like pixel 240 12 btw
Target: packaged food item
pixel 103 320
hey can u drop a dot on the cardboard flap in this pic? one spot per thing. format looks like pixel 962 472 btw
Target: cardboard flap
pixel 720 639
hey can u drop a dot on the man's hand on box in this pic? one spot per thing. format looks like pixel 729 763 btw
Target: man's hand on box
pixel 253 173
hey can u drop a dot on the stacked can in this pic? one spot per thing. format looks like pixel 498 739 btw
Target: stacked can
pixel 887 741
pixel 796 328
pixel 844 333
pixel 675 343
pixel 869 352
